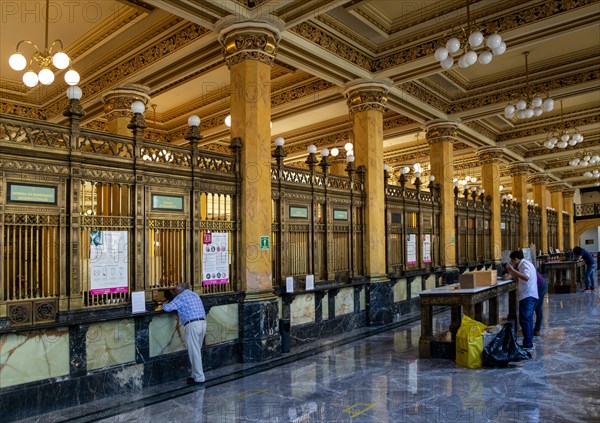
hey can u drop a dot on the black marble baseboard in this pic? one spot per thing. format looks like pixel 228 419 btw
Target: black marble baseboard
pixel 47 395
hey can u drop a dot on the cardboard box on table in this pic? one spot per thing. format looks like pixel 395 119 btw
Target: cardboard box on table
pixel 478 278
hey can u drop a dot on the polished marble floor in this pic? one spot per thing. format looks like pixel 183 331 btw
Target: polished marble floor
pixel 381 379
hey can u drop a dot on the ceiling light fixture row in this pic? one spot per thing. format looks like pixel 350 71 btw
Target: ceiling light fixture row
pixel 562 137
pixel 467 41
pixel 585 159
pixel 45 75
pixel 530 106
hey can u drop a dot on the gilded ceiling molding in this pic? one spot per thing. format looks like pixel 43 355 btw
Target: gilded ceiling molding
pixel 425 96
pixel 334 45
pixel 519 169
pixel 536 13
pixel 545 125
pixel 539 179
pixel 490 155
pixel 256 39
pixel 397 121
pixel 481 129
pixel 96 125
pixel 362 95
pixel 487 99
pixel 441 131
pixel 296 93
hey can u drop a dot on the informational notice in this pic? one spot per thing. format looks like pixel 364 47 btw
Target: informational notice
pixel 138 302
pixel 215 260
pixel 289 284
pixel 411 249
pixel 109 262
pixel 310 282
pixel 426 248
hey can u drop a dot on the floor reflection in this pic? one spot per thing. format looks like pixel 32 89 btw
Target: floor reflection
pixel 381 379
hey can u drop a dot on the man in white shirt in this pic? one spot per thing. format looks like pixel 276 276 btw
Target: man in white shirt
pixel 523 271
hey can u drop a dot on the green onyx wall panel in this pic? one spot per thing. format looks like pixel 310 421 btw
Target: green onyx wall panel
pixel 303 309
pixel 222 324
pixel 363 299
pixel 28 357
pixel 344 301
pixel 415 287
pixel 166 335
pixel 110 344
pixel 400 291
pixel 430 282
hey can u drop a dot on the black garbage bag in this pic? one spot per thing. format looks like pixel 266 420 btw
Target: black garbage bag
pixel 503 349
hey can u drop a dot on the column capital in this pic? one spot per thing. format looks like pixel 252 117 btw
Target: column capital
pixel 556 187
pixel 117 102
pixel 539 179
pixel 488 155
pixel 364 94
pixel 441 131
pixel 519 168
pixel 568 193
pixel 252 39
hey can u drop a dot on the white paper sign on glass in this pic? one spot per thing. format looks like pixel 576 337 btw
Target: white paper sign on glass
pixel 289 284
pixel 215 259
pixel 310 282
pixel 109 262
pixel 426 248
pixel 411 249
pixel 138 302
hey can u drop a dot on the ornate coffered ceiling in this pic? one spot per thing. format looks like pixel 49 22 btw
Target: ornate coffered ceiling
pixel 172 47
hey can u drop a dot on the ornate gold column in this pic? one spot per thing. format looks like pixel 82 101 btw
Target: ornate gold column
pixel 117 106
pixel 250 47
pixel 519 172
pixel 441 136
pixel 569 208
pixel 490 159
pixel 366 101
pixel 540 196
pixel 556 201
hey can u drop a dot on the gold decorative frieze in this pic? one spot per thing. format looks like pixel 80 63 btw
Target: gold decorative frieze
pixel 33 167
pixel 334 45
pixel 568 193
pixel 425 96
pixel 542 129
pixel 481 129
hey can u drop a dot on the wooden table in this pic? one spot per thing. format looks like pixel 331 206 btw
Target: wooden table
pixel 564 276
pixel 469 301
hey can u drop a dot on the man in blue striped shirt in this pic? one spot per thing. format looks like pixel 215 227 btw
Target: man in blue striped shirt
pixel 193 318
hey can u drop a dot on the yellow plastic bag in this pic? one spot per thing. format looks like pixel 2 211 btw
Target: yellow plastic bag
pixel 469 343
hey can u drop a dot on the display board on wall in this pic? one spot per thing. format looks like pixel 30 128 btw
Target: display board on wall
pixel 109 262
pixel 30 193
pixel 215 260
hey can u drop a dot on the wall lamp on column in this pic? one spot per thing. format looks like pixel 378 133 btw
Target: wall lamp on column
pixel 279 152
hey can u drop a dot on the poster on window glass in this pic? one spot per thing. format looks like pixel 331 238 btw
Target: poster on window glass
pixel 215 259
pixel 426 248
pixel 109 262
pixel 411 249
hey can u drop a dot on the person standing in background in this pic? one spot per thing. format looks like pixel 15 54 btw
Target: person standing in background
pixel 193 319
pixel 590 264
pixel 526 277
